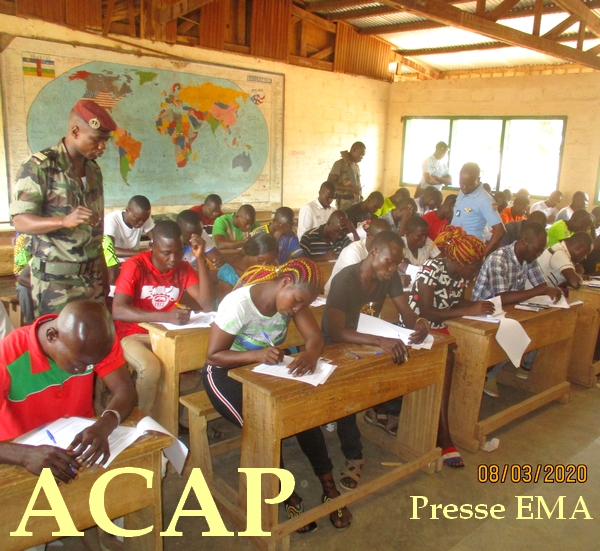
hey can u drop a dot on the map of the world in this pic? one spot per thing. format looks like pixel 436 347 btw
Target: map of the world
pixel 181 135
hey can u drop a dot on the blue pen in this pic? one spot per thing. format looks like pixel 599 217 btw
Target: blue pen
pixel 51 437
pixel 269 339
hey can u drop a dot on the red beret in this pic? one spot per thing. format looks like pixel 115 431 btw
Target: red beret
pixel 95 115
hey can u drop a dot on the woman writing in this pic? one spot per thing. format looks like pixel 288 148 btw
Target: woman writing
pixel 247 319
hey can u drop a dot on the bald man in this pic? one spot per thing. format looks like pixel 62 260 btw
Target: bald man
pixel 327 241
pixel 59 201
pixel 47 372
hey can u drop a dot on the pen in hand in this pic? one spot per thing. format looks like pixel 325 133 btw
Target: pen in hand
pixel 271 343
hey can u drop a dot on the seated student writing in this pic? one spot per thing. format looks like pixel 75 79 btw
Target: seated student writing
pixel 47 372
pixel 259 250
pixel 122 232
pixel 362 288
pixel 149 289
pixel 437 294
pixel 231 231
pixel 418 246
pixel 190 223
pixel 561 262
pixel 327 241
pixel 505 273
pixel 247 321
pixel 282 229
pixel 438 219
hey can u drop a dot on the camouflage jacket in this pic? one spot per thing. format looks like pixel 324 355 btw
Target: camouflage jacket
pixel 45 187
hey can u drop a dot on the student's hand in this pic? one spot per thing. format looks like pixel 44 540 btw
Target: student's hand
pixel 554 293
pixel 178 316
pixel 198 246
pixel 481 308
pixel 64 466
pixel 397 349
pixel 303 364
pixel 579 269
pixel 91 443
pixel 347 224
pixel 80 215
pixel 420 332
pixel 406 211
pixel 329 255
pixel 270 355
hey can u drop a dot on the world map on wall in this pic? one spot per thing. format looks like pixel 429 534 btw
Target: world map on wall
pixel 180 136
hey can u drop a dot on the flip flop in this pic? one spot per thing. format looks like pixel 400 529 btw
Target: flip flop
pixel 452 458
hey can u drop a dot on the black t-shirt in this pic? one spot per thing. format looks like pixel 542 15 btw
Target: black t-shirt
pixel 346 295
pixel 357 215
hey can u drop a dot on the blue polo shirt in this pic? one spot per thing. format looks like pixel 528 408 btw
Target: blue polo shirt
pixel 474 211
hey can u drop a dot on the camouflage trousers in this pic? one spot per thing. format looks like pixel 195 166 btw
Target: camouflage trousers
pixel 50 294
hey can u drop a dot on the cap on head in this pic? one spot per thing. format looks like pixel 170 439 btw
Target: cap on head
pixel 94 115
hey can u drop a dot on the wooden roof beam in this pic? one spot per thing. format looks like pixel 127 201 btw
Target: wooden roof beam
pixel 422 68
pixel 172 11
pixel 314 19
pixel 335 4
pixel 439 11
pixel 582 12
pixel 359 13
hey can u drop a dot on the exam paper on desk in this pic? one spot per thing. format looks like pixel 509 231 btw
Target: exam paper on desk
pixel 547 301
pixel 321 374
pixel 197 319
pixel 380 328
pixel 65 429
pixel 495 317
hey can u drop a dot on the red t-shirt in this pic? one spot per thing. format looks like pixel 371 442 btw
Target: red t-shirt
pixel 35 391
pixel 151 290
pixel 206 221
pixel 435 224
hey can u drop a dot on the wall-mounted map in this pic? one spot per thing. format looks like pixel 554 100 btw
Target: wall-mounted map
pixel 184 129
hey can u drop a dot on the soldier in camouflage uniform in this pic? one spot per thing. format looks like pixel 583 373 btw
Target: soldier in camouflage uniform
pixel 345 174
pixel 59 201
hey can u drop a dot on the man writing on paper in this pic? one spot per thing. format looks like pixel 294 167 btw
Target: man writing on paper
pixel 362 288
pixel 149 289
pixel 47 372
pixel 505 273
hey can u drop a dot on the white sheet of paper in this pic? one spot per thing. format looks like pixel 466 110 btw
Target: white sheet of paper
pixel 319 301
pixel 495 317
pixel 547 301
pixel 197 319
pixel 375 326
pixel 412 270
pixel 513 339
pixel 65 429
pixel 321 374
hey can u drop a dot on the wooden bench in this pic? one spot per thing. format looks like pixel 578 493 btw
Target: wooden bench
pixel 201 452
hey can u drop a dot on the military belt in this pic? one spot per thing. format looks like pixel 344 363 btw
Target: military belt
pixel 63 268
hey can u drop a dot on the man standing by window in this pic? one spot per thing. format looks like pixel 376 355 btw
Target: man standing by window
pixel 435 171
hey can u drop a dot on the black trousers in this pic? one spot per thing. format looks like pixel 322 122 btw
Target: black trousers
pixel 226 396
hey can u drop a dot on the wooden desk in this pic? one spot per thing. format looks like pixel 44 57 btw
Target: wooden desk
pixel 326 268
pixel 582 368
pixel 551 332
pixel 183 350
pixel 271 407
pixel 128 497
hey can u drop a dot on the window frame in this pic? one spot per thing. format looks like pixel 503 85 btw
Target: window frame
pixel 504 119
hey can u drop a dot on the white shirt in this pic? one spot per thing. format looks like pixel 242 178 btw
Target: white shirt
pixel 541 205
pixel 435 167
pixel 429 250
pixel 312 216
pixel 352 254
pixel 564 214
pixel 553 261
pixel 123 236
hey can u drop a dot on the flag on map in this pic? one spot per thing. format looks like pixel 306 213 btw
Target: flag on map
pixel 36 67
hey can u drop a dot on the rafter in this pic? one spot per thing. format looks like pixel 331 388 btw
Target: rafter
pixel 422 68
pixel 172 11
pixel 314 19
pixel 450 15
pixel 513 14
pixel 359 13
pixel 500 10
pixel 583 13
pixel 560 28
pixel 334 4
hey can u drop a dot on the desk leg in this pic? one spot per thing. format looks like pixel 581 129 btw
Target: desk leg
pixel 166 406
pixel 468 380
pixel 149 516
pixel 418 426
pixel 582 368
pixel 261 447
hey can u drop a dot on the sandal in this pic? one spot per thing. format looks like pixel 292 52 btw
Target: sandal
pixel 337 515
pixel 452 458
pixel 385 422
pixel 293 511
pixel 352 470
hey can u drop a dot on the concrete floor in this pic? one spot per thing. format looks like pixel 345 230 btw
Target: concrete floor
pixel 556 434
